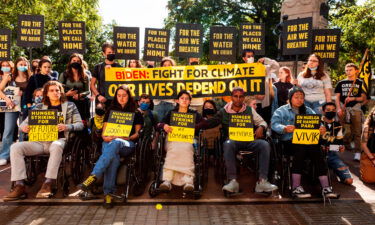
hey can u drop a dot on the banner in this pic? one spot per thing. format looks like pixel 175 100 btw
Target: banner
pixel 326 44
pixel 72 37
pixel 156 44
pixel 43 125
pixel 119 124
pixel 126 42
pixel 365 73
pixel 30 31
pixel 252 36
pixel 223 44
pixel 297 36
pixel 13 93
pixel 307 129
pixel 241 128
pixel 5 45
pixel 189 39
pixel 201 81
pixel 183 127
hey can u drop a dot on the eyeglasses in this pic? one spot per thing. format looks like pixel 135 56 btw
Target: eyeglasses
pixel 311 60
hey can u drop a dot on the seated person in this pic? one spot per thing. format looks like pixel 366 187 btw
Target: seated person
pixel 53 98
pixel 333 142
pixel 230 147
pixel 179 160
pixel 208 111
pixel 283 124
pixel 115 147
pixel 367 163
pixel 150 117
pixel 96 123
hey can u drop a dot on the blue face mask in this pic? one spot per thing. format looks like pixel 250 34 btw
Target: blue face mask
pixel 313 69
pixel 144 106
pixel 22 68
pixel 5 69
pixel 38 99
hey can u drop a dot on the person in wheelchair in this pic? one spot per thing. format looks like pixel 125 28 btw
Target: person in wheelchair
pixel 282 122
pixel 53 98
pixel 115 147
pixel 179 161
pixel 150 117
pixel 230 147
pixel 96 123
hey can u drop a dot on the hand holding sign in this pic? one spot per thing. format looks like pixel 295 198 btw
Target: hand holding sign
pixel 182 127
pixel 168 128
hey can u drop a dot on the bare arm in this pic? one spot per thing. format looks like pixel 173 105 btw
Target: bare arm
pixel 327 93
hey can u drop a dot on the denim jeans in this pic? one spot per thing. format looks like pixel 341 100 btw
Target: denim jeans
pixel 10 123
pixel 316 106
pixel 259 146
pixel 109 162
pixel 340 168
pixel 163 108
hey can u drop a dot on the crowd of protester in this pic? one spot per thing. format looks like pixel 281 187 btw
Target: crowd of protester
pixel 73 91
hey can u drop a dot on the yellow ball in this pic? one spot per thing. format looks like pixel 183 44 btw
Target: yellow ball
pixel 159 207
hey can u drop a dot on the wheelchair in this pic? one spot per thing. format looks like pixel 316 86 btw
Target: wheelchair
pixel 200 165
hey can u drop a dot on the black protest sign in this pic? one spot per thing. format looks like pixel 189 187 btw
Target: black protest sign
pixel 72 37
pixel 156 44
pixel 297 36
pixel 5 36
pixel 241 128
pixel 119 124
pixel 183 127
pixel 326 44
pixel 126 42
pixel 306 129
pixel 252 36
pixel 223 44
pixel 30 31
pixel 43 125
pixel 188 41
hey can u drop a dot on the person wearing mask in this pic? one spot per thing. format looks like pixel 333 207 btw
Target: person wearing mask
pixel 283 124
pixel 98 75
pixel 18 79
pixel 76 84
pixel 150 118
pixel 53 98
pixel 210 135
pixel 281 88
pixel 367 163
pixel 37 97
pixel 315 83
pixel 332 142
pixel 113 148
pixel 349 96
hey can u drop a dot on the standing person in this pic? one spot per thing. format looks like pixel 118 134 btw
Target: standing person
pixel 315 83
pixel 349 96
pixel 98 75
pixel 76 83
pixel 19 79
pixel 133 63
pixel 332 142
pixel 281 88
pixel 35 66
pixel 115 147
pixel 53 98
pixel 54 74
pixel 196 103
pixel 163 106
pixel 367 164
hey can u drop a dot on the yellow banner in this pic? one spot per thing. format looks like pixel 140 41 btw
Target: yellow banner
pixel 306 136
pixel 241 134
pixel 43 133
pixel 117 130
pixel 182 134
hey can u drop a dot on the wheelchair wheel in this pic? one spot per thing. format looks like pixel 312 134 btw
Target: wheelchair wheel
pixel 78 164
pixel 153 190
pixel 31 171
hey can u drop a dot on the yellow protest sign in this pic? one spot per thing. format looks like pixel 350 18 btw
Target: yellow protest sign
pixel 241 128
pixel 43 125
pixel 183 127
pixel 307 129
pixel 119 124
pixel 201 81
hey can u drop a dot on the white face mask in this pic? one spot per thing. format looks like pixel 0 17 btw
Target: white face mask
pixel 250 60
pixel 313 68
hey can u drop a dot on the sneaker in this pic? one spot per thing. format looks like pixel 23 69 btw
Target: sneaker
pixel 357 156
pixel 232 186
pixel 18 192
pixel 328 193
pixel 108 201
pixel 45 191
pixel 298 192
pixel 3 162
pixel 188 187
pixel 165 186
pixel 265 186
pixel 86 185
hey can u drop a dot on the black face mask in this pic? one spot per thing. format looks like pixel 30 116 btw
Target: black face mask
pixel 194 63
pixel 150 66
pixel 111 57
pixel 76 65
pixel 208 111
pixel 99 111
pixel 330 115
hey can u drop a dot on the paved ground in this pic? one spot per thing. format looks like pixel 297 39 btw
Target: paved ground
pixel 307 213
